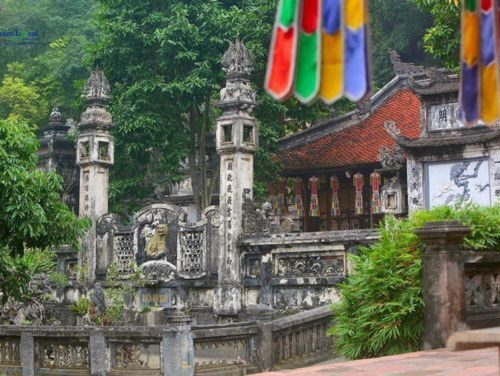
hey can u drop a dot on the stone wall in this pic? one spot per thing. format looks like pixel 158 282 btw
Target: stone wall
pixel 298 271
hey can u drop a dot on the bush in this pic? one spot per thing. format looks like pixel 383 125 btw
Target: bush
pixel 381 310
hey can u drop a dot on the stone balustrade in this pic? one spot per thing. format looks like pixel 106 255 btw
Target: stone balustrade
pixel 96 351
pixel 461 286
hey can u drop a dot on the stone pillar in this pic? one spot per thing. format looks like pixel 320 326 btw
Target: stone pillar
pixel 95 155
pixel 265 350
pixel 98 353
pixel 178 352
pixel 27 348
pixel 237 141
pixel 443 281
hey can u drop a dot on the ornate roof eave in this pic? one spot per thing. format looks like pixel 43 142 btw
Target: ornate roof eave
pixel 462 137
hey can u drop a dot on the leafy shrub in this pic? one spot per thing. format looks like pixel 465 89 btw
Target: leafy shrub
pixel 381 310
pixel 58 279
pixel 81 306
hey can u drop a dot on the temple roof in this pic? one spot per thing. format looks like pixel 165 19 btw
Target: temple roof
pixel 354 139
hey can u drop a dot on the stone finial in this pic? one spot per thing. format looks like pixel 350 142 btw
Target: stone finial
pixel 237 60
pixel 97 87
pixel 238 93
pixel 55 116
pixel 97 92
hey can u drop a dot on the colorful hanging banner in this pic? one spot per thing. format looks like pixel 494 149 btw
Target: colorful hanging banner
pixel 334 186
pixel 319 49
pixel 314 207
pixel 376 202
pixel 479 95
pixel 358 182
pixel 282 209
pixel 299 205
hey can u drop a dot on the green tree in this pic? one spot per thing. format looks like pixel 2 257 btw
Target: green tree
pixel 397 25
pixel 32 216
pixel 442 39
pixel 163 61
pixel 55 61
pixel 19 101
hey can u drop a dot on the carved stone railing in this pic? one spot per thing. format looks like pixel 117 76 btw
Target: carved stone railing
pixel 243 348
pixel 96 351
pixel 297 340
pixel 461 286
pixel 281 269
pixel 225 349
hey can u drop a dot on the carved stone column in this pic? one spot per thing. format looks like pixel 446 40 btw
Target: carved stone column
pixel 443 281
pixel 237 141
pixel 95 155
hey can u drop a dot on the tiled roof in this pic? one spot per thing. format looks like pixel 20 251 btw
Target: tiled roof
pixel 358 142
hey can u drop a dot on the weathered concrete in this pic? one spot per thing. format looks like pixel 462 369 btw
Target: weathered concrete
pixel 444 294
pixel 27 349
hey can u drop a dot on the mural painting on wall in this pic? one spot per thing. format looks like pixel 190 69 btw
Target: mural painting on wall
pixel 458 182
pixel 157 234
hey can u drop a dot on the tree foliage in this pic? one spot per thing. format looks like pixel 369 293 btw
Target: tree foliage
pixel 19 101
pixel 163 60
pixel 32 216
pixel 442 39
pixel 398 25
pixel 381 310
pixel 55 63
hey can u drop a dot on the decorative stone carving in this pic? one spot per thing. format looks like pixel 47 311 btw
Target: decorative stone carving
pixel 9 351
pixel 393 198
pixel 156 230
pixel 63 355
pixel 482 289
pixel 192 251
pixel 55 116
pixel 136 356
pixel 97 87
pixel 156 243
pixel 237 60
pixel 156 272
pixel 391 158
pixel 97 299
pixel 123 246
pixel 304 265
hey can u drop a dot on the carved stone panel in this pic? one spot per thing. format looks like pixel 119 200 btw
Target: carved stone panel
pixel 135 356
pixel 192 251
pixel 221 352
pixel 482 286
pixel 309 264
pixel 156 231
pixel 124 251
pixel 9 351
pixel 62 355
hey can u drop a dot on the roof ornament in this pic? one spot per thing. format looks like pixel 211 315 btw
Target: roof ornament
pixel 237 60
pixel 402 68
pixel 97 88
pixel 55 116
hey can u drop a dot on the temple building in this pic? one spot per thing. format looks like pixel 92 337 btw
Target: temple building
pixel 401 150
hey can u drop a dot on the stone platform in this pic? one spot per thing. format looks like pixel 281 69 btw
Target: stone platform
pixel 425 363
